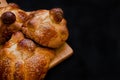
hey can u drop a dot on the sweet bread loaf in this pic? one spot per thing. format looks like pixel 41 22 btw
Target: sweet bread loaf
pixel 28 41
pixel 46 27
pixel 22 59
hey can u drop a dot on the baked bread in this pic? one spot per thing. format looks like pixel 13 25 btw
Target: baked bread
pixel 11 20
pixel 22 59
pixel 46 27
pixel 29 59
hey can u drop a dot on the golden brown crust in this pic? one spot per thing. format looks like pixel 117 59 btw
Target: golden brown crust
pixel 22 59
pixel 56 14
pixel 19 73
pixel 46 27
pixel 13 5
pixel 7 30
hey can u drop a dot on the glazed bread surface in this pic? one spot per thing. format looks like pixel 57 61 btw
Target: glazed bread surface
pixel 46 27
pixel 22 59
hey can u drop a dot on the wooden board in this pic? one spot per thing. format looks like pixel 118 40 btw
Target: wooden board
pixel 62 53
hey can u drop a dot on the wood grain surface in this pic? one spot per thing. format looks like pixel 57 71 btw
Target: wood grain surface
pixel 62 53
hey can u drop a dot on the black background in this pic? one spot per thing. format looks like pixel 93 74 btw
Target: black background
pixel 94 28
